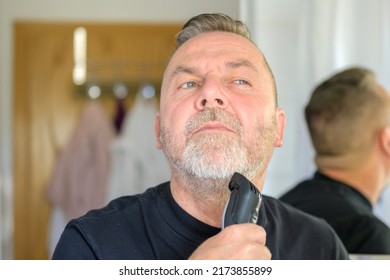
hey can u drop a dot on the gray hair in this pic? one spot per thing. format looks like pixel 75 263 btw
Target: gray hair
pixel 204 23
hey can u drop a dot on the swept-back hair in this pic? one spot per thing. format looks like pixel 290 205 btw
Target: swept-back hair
pixel 208 23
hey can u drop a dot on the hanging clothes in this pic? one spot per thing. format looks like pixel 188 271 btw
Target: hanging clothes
pixel 79 180
pixel 136 162
pixel 120 113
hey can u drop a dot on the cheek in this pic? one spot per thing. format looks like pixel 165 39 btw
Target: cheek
pixel 173 121
pixel 178 109
pixel 257 121
pixel 253 130
pixel 250 113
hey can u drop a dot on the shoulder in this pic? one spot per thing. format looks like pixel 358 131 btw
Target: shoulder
pixel 119 215
pixel 123 206
pixel 372 227
pixel 288 213
pixel 306 236
pixel 370 235
pixel 296 192
pixel 310 187
pixel 103 233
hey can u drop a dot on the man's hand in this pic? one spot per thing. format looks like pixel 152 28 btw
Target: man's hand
pixel 235 242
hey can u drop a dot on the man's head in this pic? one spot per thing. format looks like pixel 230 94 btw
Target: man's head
pixel 218 111
pixel 344 116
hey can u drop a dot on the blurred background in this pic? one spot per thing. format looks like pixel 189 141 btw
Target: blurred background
pixel 76 76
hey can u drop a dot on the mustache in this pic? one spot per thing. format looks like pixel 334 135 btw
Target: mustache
pixel 212 114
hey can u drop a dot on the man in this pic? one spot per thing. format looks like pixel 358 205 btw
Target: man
pixel 218 115
pixel 348 117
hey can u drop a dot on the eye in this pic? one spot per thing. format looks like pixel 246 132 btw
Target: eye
pixel 241 82
pixel 188 85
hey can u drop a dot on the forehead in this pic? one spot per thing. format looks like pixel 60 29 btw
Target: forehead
pixel 217 45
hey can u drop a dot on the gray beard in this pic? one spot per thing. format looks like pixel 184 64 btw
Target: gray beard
pixel 209 161
pixel 214 192
pixel 214 157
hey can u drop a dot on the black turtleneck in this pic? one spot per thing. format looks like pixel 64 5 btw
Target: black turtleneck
pixel 153 226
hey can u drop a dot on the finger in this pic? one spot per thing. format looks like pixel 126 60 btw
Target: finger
pixel 246 232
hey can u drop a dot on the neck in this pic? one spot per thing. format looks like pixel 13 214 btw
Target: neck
pixel 205 200
pixel 202 199
pixel 369 179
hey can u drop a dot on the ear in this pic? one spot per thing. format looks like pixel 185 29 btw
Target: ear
pixel 157 130
pixel 280 123
pixel 384 140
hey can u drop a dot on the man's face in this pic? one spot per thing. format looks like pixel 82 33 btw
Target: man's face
pixel 217 110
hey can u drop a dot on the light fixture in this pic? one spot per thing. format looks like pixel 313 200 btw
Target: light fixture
pixel 120 90
pixel 94 91
pixel 80 56
pixel 148 91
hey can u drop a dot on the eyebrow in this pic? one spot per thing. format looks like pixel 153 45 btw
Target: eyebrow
pixel 230 64
pixel 185 69
pixel 240 63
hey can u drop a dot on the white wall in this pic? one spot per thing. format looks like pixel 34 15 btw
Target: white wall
pixel 275 27
pixel 73 10
pixel 305 41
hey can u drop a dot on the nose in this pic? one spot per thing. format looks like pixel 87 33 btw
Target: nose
pixel 211 95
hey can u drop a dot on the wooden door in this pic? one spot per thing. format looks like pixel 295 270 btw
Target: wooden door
pixel 47 105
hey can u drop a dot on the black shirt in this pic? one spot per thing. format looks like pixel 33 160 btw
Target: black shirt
pixel 153 226
pixel 345 209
